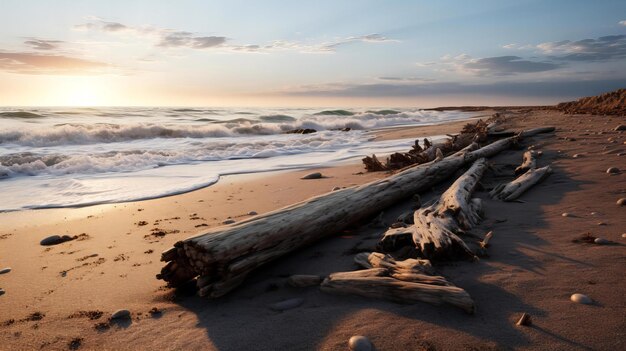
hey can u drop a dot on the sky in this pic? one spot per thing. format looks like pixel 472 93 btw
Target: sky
pixel 309 53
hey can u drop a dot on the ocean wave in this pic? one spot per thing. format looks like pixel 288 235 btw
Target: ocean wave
pixel 75 133
pixel 20 114
pixel 30 163
pixel 335 113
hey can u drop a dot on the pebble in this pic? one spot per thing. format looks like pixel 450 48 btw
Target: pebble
pixel 565 214
pixel 304 280
pixel 316 175
pixel 359 343
pixel 252 213
pixel 612 170
pixel 601 241
pixel 336 188
pixel 524 320
pixel 1 291
pixel 577 155
pixel 580 298
pixel 121 314
pixel 624 235
pixel 55 239
pixel 620 127
pixel 229 221
pixel 287 304
pixel 621 202
pixel 5 270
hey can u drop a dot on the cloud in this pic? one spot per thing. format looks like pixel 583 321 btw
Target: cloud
pixel 42 44
pixel 113 27
pixel 537 89
pixel 32 63
pixel 168 38
pixel 507 65
pixel 406 79
pixel 186 39
pixel 611 47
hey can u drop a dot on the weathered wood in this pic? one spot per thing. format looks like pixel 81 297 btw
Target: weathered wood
pixel 436 228
pixel 225 255
pixel 370 283
pixel 514 189
pixel 528 162
pixel 380 260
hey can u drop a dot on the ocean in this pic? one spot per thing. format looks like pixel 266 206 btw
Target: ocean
pixel 61 157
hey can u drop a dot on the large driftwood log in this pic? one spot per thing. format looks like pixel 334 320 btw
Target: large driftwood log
pixel 398 281
pixel 513 190
pixel 223 257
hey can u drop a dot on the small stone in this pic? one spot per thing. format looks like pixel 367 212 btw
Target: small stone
pixel 229 221
pixel 620 127
pixel 252 213
pixel 565 214
pixel 359 343
pixel 336 188
pixel 621 202
pixel 524 320
pixel 601 241
pixel 51 240
pixel 1 291
pixel 580 298
pixel 539 153
pixel 577 156
pixel 155 312
pixel 5 270
pixel 624 235
pixel 316 175
pixel 121 314
pixel 287 304
pixel 304 280
pixel 601 223
pixel 612 170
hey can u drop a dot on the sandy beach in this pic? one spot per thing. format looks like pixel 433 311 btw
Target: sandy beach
pixel 60 297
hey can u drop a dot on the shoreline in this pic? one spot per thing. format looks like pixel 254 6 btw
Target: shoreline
pixel 533 267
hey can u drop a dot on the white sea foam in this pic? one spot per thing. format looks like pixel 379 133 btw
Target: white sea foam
pixel 73 157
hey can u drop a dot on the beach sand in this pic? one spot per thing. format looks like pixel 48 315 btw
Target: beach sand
pixel 54 294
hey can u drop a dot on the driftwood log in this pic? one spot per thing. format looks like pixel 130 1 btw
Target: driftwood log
pixel 513 190
pixel 437 228
pixel 399 281
pixel 221 258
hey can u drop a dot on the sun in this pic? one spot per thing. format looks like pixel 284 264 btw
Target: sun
pixel 81 91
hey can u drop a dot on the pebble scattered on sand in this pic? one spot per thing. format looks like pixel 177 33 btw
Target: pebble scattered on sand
pixel 620 127
pixel 5 270
pixel 316 175
pixel 621 202
pixel 252 213
pixel 524 320
pixel 121 314
pixel 624 235
pixel 55 239
pixel 304 280
pixel 565 214
pixel 229 221
pixel 336 188
pixel 580 298
pixel 601 241
pixel 1 291
pixel 287 304
pixel 577 156
pixel 612 170
pixel 359 343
